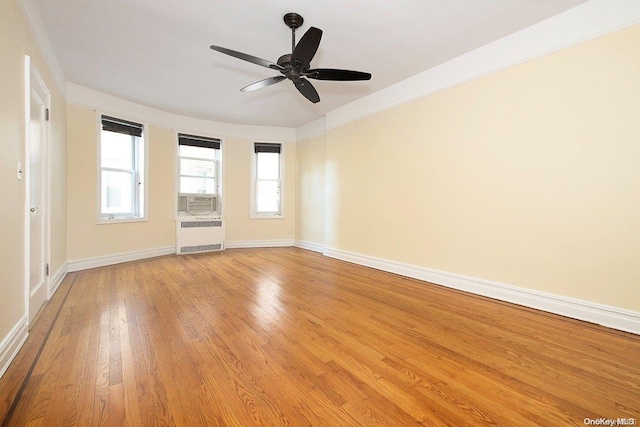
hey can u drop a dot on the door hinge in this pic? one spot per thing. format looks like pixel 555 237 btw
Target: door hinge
pixel 46 269
pixel 46 114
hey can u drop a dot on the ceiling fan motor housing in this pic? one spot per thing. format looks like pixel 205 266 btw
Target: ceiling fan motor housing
pixel 284 60
pixel 291 72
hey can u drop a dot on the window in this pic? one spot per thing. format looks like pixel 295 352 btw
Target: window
pixel 121 169
pixel 267 182
pixel 199 186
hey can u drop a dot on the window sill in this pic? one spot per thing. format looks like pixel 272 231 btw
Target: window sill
pixel 101 221
pixel 196 217
pixel 266 216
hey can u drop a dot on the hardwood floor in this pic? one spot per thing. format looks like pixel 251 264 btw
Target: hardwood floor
pixel 284 336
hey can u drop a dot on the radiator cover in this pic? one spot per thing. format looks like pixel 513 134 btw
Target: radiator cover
pixel 199 235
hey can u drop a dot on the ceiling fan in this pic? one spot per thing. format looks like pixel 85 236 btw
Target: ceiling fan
pixel 296 65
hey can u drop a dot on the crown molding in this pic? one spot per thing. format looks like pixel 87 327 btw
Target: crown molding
pixel 106 103
pixel 36 27
pixel 311 129
pixel 587 21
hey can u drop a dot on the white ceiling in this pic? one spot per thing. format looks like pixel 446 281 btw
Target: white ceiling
pixel 156 52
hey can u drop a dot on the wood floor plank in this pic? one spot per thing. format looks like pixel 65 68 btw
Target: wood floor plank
pixel 287 337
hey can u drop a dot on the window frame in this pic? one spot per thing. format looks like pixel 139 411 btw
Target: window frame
pixel 178 172
pixel 254 214
pixel 140 171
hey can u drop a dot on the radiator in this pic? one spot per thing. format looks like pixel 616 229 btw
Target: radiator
pixel 195 235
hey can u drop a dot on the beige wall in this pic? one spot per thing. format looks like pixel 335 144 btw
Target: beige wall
pixel 86 239
pixel 15 42
pixel 310 189
pixel 529 176
pixel 237 163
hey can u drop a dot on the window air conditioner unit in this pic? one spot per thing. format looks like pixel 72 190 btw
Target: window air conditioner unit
pixel 199 235
pixel 197 204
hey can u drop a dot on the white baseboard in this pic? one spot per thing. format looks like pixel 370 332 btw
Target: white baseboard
pixel 612 317
pixel 310 246
pixel 12 343
pixel 56 280
pixel 101 261
pixel 275 243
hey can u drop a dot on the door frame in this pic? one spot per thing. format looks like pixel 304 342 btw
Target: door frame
pixel 34 78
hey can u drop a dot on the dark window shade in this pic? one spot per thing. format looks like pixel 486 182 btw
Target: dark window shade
pixel 112 124
pixel 265 147
pixel 198 141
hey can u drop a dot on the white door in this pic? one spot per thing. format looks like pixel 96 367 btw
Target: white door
pixel 38 291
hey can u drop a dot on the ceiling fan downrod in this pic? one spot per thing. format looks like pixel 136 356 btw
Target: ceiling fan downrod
pixel 293 21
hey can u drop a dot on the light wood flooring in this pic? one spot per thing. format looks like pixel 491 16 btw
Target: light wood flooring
pixel 287 337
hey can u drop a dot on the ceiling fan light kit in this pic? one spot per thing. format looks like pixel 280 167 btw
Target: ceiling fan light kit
pixel 296 66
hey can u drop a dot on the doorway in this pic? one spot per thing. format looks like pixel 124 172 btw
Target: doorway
pixel 36 182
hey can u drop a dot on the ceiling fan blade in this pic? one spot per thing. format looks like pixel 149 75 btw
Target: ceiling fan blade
pixel 337 75
pixel 246 57
pixel 262 83
pixel 306 48
pixel 306 88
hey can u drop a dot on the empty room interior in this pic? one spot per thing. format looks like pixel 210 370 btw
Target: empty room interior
pixel 320 213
